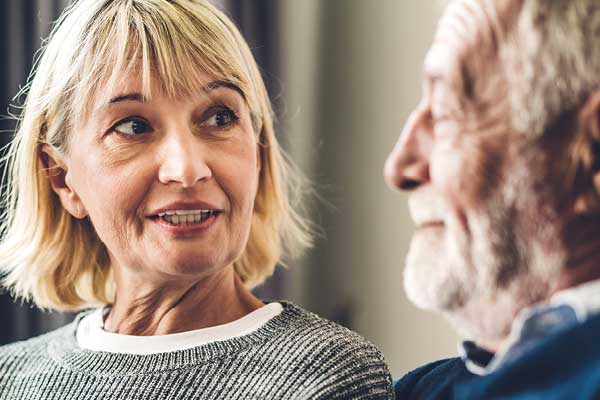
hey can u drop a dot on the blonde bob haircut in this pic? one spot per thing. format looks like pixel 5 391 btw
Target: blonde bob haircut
pixel 57 261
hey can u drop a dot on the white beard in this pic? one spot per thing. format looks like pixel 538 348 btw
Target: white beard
pixel 509 257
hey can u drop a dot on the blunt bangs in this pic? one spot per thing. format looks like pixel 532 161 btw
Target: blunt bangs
pixel 159 41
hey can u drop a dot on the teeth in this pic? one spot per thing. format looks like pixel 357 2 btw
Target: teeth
pixel 181 217
pixel 187 212
pixel 182 212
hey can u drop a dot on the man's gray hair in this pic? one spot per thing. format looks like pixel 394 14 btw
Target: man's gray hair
pixel 552 60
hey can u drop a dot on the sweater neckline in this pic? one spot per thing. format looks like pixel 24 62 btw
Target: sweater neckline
pixel 65 350
pixel 91 335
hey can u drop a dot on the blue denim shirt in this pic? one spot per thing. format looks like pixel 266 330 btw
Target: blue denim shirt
pixel 565 309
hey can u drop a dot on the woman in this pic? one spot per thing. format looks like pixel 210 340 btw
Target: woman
pixel 146 180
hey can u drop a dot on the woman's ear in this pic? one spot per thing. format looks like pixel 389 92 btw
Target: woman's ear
pixel 259 155
pixel 59 178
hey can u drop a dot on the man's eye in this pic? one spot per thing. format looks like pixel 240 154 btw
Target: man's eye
pixel 221 118
pixel 438 119
pixel 132 126
pixel 439 115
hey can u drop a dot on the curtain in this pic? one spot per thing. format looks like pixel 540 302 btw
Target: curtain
pixel 22 25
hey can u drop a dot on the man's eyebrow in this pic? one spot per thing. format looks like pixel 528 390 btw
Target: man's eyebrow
pixel 138 97
pixel 433 72
pixel 434 78
pixel 464 86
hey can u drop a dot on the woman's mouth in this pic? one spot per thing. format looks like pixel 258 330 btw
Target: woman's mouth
pixel 186 221
pixel 186 217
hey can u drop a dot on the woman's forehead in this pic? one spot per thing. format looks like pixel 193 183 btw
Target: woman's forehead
pixel 150 83
pixel 134 85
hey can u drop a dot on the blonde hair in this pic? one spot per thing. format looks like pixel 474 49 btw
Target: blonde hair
pixel 58 261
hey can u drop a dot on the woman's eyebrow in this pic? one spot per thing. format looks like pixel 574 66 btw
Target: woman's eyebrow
pixel 128 97
pixel 219 84
pixel 138 97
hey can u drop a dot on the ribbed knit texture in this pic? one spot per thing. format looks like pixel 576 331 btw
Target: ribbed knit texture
pixel 296 355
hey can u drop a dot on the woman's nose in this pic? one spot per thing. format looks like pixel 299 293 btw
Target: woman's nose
pixel 407 166
pixel 184 159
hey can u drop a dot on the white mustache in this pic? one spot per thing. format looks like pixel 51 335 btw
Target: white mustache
pixel 426 207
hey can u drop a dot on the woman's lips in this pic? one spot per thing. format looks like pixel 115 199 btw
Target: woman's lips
pixel 186 229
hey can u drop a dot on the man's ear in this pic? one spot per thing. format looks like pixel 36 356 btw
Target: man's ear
pixel 589 122
pixel 586 153
pixel 58 176
pixel 589 117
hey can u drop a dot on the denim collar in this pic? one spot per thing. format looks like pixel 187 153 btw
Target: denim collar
pixel 565 309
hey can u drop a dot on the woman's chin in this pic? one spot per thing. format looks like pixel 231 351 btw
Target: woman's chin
pixel 194 265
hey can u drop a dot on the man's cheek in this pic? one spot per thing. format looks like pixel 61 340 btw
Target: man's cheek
pixel 447 168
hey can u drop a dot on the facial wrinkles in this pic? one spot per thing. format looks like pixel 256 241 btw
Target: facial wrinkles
pixel 485 111
pixel 101 170
pixel 483 115
pixel 123 156
pixel 483 65
pixel 443 63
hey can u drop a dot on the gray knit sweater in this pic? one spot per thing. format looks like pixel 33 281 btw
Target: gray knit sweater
pixel 296 355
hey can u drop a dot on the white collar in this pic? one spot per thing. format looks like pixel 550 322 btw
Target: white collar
pixel 91 335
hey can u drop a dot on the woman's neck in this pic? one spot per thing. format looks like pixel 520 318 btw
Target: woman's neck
pixel 160 309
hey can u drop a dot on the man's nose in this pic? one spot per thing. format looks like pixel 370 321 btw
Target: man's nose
pixel 184 159
pixel 407 166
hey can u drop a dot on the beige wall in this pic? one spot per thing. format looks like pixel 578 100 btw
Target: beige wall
pixel 351 75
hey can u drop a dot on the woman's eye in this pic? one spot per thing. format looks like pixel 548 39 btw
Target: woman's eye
pixel 221 118
pixel 134 126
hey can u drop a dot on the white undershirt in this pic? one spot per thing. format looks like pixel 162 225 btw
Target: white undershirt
pixel 92 336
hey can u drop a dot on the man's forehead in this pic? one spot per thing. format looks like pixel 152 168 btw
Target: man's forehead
pixel 465 31
pixel 440 62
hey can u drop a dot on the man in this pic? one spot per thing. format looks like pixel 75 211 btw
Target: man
pixel 501 160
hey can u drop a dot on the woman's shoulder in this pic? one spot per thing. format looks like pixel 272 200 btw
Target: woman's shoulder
pixel 345 363
pixel 25 352
pixel 309 327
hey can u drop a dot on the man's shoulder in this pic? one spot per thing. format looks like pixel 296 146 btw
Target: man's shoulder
pixel 431 381
pixel 571 351
pixel 563 365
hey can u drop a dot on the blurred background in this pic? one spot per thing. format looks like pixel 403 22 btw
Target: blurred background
pixel 343 76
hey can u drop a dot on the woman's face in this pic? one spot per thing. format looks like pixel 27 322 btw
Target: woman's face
pixel 169 184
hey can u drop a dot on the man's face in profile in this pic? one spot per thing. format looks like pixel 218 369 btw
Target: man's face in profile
pixel 476 185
